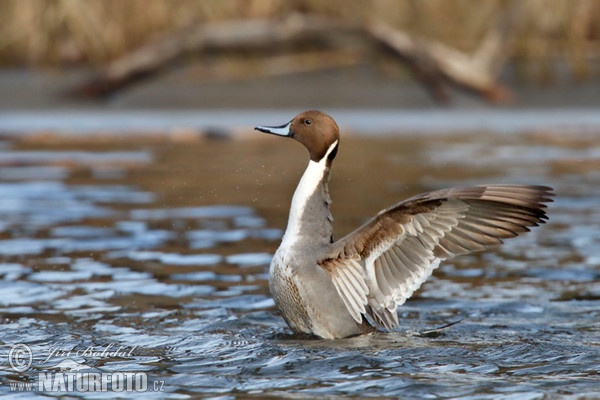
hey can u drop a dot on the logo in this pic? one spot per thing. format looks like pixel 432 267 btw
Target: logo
pixel 64 373
pixel 69 365
pixel 20 357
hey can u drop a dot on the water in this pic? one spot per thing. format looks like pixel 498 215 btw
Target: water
pixel 373 121
pixel 149 254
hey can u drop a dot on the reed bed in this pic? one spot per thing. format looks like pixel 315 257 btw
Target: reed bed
pixel 92 32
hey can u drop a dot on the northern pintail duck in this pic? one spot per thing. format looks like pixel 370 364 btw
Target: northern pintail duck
pixel 334 289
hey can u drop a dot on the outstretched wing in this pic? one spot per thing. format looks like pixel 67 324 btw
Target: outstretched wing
pixel 379 265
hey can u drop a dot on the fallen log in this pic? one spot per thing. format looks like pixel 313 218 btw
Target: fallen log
pixel 434 64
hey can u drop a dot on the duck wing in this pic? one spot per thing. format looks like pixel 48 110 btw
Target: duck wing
pixel 379 265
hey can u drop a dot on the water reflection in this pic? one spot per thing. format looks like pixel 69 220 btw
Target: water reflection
pixel 165 252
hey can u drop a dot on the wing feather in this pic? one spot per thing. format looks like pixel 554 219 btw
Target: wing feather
pixel 354 298
pixel 381 264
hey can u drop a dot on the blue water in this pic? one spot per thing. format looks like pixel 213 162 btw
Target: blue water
pixel 160 246
pixel 372 122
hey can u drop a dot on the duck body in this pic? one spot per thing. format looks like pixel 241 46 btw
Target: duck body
pixel 301 288
pixel 334 289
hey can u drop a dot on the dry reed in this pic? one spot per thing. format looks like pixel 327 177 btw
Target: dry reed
pixel 65 32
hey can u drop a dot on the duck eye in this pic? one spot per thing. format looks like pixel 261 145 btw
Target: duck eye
pixel 307 122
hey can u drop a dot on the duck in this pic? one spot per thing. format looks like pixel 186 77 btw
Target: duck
pixel 334 289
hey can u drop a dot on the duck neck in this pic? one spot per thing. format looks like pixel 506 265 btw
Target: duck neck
pixel 310 224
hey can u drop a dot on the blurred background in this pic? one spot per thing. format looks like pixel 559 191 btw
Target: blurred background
pixel 138 208
pixel 303 53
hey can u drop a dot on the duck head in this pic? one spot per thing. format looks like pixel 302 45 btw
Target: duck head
pixel 317 131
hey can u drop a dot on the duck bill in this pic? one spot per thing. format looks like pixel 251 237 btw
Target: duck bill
pixel 281 130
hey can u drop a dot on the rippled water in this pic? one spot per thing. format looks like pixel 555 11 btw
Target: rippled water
pixel 150 254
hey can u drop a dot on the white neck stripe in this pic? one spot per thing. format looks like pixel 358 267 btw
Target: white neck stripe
pixel 329 150
pixel 310 181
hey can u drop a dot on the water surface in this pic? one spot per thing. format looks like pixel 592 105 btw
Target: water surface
pixel 161 244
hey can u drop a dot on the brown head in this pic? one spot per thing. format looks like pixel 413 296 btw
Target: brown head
pixel 316 130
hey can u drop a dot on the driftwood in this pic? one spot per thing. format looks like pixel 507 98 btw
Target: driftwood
pixel 434 63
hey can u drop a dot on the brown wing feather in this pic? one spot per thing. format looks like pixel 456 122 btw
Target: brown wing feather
pixel 399 247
